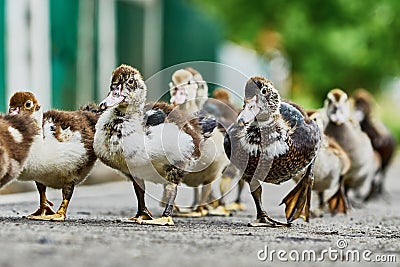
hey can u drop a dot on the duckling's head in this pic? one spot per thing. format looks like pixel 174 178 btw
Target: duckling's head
pixel 337 106
pixel 25 103
pixel 221 94
pixel 183 87
pixel 316 116
pixel 363 103
pixel 127 88
pixel 261 102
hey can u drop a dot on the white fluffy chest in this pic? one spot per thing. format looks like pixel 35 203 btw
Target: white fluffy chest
pixel 108 147
pixel 147 154
pixel 52 162
pixel 164 142
pixel 270 144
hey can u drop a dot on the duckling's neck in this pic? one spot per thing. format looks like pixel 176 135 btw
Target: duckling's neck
pixel 189 106
pixel 130 110
pixel 265 120
pixel 133 113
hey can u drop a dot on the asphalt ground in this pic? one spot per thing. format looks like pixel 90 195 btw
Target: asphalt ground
pixel 96 234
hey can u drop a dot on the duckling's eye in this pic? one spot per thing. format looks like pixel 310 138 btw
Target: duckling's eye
pixel 28 104
pixel 264 91
pixel 115 93
pixel 130 81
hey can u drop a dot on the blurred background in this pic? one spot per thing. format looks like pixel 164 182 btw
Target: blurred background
pixel 65 50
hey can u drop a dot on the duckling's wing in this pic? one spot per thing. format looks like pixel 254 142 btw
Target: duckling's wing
pixel 207 122
pixel 227 142
pixel 154 117
pixel 291 114
pixel 212 109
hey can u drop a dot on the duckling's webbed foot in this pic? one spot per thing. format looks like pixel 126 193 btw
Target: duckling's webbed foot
pixel 171 190
pixel 163 221
pixel 298 200
pixel 61 213
pixel 235 206
pixel 263 220
pixel 338 203
pixel 44 206
pixel 219 211
pixel 41 211
pixel 51 217
pixel 199 211
pixel 166 218
pixel 141 215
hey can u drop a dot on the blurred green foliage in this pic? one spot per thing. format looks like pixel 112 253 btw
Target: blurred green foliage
pixel 331 43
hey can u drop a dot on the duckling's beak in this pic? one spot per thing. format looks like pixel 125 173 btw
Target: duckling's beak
pixel 241 122
pixel 13 110
pixel 358 115
pixel 102 106
pixel 178 97
pixel 338 116
pixel 113 98
pixel 249 112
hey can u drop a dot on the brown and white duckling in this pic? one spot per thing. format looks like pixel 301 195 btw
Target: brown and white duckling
pixel 382 139
pixel 16 137
pixel 273 142
pixel 354 142
pixel 213 160
pixel 62 152
pixel 160 151
pixel 331 162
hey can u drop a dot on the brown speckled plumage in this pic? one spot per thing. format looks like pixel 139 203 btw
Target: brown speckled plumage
pixel 122 73
pixel 279 143
pixel 303 144
pixel 14 150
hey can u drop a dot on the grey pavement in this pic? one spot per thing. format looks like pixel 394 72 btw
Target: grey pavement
pixel 95 233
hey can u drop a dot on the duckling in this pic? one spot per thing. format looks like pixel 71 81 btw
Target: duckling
pixel 213 161
pixel 62 152
pixel 331 161
pixel 273 141
pixel 382 139
pixel 125 142
pixel 354 142
pixel 16 137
